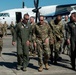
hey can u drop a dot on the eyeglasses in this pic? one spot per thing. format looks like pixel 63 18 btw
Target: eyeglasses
pixel 26 19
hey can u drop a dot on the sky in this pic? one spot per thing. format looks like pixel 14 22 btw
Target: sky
pixel 11 4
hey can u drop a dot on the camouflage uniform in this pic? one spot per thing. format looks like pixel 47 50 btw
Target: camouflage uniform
pixel 12 28
pixel 5 28
pixel 32 47
pixel 43 32
pixel 1 40
pixel 58 35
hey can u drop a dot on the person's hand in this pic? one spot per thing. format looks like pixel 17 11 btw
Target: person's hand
pixel 46 40
pixel 13 43
pixel 35 44
pixel 68 41
pixel 27 43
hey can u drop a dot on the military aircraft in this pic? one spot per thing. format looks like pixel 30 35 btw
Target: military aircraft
pixel 15 15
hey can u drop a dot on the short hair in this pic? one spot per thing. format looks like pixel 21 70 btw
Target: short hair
pixel 32 17
pixel 26 15
pixel 41 15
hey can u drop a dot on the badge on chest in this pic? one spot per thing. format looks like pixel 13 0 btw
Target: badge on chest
pixel 24 26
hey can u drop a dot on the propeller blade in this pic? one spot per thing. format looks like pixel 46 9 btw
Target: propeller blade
pixel 36 18
pixel 36 10
pixel 36 3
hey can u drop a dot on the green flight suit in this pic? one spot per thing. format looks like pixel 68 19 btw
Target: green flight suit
pixel 22 35
pixel 71 35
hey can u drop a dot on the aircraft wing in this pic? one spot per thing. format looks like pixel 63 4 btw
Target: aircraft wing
pixel 63 10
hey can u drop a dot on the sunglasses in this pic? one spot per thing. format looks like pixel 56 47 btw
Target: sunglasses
pixel 41 20
pixel 26 19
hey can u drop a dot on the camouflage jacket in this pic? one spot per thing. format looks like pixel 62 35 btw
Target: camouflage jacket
pixel 57 30
pixel 1 30
pixel 43 31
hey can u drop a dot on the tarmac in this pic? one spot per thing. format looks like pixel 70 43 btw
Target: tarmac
pixel 8 63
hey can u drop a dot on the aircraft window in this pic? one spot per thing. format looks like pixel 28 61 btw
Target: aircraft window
pixel 4 14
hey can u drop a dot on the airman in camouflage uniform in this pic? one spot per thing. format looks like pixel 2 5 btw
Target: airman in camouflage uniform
pixel 57 28
pixel 43 33
pixel 22 36
pixel 5 26
pixel 32 46
pixel 1 35
pixel 12 27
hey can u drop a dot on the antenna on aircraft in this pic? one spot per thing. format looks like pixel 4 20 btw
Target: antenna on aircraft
pixel 23 4
pixel 36 10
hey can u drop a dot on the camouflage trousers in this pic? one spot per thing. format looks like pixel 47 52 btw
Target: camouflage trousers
pixel 43 52
pixel 4 31
pixel 32 48
pixel 57 47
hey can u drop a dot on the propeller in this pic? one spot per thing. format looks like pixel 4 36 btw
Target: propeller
pixel 36 10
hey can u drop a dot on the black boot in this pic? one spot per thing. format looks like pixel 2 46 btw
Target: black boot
pixel 55 58
pixel 0 51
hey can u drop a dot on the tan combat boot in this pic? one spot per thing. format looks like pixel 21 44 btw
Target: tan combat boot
pixel 34 54
pixel 40 68
pixel 30 53
pixel 46 66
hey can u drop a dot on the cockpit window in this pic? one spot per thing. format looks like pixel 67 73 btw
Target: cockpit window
pixel 4 15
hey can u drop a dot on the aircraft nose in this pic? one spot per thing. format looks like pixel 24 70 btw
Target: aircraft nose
pixel 2 18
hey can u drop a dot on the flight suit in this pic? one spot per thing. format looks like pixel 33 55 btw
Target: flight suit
pixel 71 34
pixel 58 35
pixel 65 47
pixel 1 40
pixel 22 34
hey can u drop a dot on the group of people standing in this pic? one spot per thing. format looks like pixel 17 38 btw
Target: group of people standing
pixel 44 38
pixel 3 32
